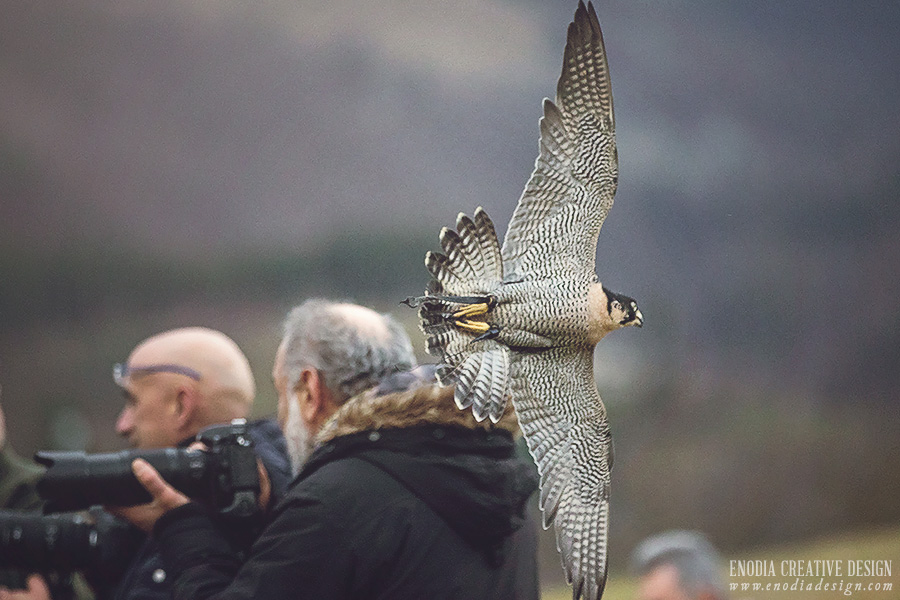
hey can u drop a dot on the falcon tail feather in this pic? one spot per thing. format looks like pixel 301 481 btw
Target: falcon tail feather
pixel 468 269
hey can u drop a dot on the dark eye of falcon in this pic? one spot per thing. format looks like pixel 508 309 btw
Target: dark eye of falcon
pixel 617 305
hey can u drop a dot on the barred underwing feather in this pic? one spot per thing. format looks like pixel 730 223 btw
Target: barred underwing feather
pixel 490 245
pixel 555 156
pixel 441 267
pixel 451 243
pixel 553 484
pixel 478 242
pixel 481 381
pixel 481 387
pixel 584 84
pixel 465 380
pixel 498 375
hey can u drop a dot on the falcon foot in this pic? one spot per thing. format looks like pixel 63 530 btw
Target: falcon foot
pixel 472 326
pixel 472 310
pixel 486 331
pixel 477 305
pixel 413 301
pixel 492 332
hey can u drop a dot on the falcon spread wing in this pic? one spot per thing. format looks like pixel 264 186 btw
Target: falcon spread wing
pixel 572 447
pixel 554 228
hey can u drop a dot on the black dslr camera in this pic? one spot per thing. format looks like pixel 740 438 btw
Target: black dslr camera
pixel 95 542
pixel 224 477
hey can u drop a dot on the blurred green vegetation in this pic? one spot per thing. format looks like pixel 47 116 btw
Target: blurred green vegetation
pixel 82 281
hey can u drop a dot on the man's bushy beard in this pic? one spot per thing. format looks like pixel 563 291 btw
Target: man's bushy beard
pixel 299 442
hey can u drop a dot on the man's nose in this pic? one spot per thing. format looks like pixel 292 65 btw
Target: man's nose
pixel 124 423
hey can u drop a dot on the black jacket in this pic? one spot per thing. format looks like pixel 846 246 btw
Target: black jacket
pixel 423 512
pixel 146 578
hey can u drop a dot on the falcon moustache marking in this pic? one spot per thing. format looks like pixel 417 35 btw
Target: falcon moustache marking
pixel 520 322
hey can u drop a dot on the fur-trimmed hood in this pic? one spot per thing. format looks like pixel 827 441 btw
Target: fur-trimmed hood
pixel 422 405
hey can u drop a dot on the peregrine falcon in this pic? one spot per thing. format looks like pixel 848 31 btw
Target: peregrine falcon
pixel 521 322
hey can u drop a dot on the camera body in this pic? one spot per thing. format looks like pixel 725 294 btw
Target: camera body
pixel 224 476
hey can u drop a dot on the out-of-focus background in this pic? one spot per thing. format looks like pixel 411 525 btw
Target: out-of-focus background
pixel 214 162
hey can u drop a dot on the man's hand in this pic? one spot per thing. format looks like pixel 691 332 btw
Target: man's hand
pixel 165 497
pixel 37 590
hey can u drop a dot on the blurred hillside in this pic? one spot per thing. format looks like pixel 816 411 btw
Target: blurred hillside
pixel 213 163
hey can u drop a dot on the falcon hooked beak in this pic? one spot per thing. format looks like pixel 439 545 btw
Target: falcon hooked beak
pixel 637 318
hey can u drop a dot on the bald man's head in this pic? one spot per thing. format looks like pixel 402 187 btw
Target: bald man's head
pixel 178 382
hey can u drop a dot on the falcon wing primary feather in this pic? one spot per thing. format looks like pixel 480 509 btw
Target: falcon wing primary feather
pixel 556 223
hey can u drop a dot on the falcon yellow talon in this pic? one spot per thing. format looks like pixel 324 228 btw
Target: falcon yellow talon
pixel 473 326
pixel 472 310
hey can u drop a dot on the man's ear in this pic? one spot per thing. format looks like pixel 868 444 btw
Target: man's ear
pixel 186 406
pixel 319 403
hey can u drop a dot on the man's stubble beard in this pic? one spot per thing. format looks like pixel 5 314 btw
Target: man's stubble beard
pixel 296 435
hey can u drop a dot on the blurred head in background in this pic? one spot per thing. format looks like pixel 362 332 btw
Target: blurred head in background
pixel 329 352
pixel 180 381
pixel 678 565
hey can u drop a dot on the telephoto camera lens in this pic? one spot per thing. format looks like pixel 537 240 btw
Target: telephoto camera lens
pixel 47 542
pixel 76 480
pixel 96 543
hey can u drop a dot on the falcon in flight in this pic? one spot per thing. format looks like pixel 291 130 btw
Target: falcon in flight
pixel 521 322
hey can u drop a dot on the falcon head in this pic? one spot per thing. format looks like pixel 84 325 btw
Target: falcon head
pixel 623 311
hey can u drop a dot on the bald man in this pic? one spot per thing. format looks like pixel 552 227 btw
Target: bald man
pixel 180 381
pixel 176 383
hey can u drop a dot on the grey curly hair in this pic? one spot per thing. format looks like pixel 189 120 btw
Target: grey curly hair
pixel 352 353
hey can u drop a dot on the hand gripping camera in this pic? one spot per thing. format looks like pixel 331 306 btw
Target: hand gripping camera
pixel 224 477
